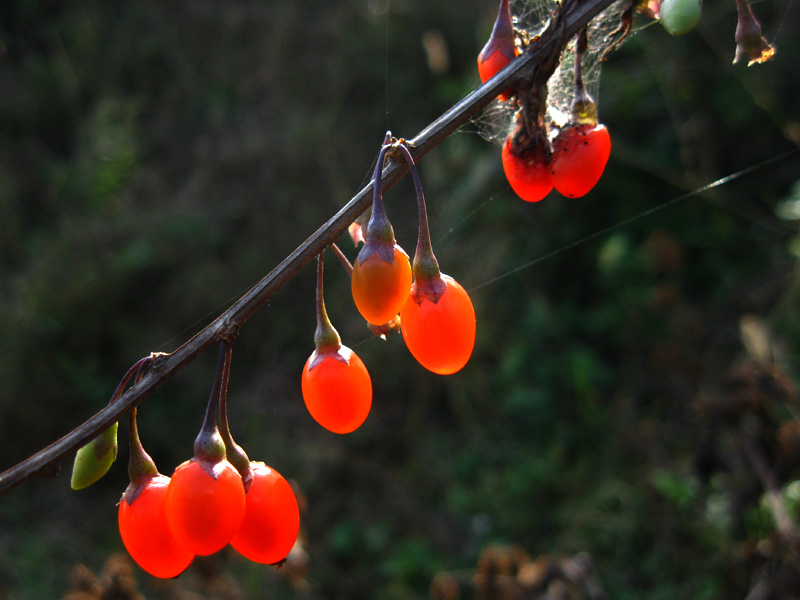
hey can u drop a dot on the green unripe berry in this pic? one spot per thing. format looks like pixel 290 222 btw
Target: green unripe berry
pixel 680 16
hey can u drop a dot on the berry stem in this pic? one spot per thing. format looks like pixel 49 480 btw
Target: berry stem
pixel 209 446
pixel 45 461
pixel 584 109
pixel 342 259
pixel 141 467
pixel 135 369
pixel 108 438
pixel 234 452
pixel 326 338
pixel 379 237
pixel 503 30
pixel 427 276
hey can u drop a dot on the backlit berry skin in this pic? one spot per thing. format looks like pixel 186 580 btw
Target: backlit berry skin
pixel 379 288
pixel 271 520
pixel 500 49
pixel 440 335
pixel 205 512
pixel 337 390
pixel 492 64
pixel 529 178
pixel 580 154
pixel 146 534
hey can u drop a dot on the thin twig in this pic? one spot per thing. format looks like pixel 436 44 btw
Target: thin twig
pixel 228 324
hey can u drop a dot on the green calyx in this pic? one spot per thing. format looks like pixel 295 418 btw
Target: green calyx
pixel 95 459
pixel 209 446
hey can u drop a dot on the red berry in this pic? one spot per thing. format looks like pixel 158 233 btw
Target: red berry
pixel 205 505
pixel 439 333
pixel 580 154
pixel 271 520
pixel 337 389
pixel 500 49
pixel 146 534
pixel 529 176
pixel 380 288
pixel 491 65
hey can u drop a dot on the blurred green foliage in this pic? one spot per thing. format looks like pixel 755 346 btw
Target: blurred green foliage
pixel 157 159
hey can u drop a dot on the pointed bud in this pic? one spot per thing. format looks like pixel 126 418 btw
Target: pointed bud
pixel 95 459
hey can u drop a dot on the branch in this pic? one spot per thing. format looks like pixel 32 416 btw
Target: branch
pixel 227 325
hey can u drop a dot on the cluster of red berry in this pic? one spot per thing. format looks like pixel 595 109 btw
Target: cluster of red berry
pixel 216 498
pixel 219 496
pixel 433 312
pixel 538 156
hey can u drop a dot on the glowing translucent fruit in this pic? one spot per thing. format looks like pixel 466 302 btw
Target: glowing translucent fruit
pixel 146 534
pixel 271 520
pixel 205 512
pixel 337 393
pixel 440 335
pixel 530 179
pixel 580 154
pixel 379 288
pixel 492 64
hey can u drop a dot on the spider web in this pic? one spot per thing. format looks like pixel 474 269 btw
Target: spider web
pixel 530 18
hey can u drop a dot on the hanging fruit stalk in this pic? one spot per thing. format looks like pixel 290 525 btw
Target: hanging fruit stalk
pixel 93 460
pixel 205 501
pixel 381 276
pixel 438 319
pixel 142 517
pixel 336 386
pixel 582 148
pixel 271 518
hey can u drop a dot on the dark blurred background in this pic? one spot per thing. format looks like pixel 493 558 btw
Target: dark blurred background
pixel 630 403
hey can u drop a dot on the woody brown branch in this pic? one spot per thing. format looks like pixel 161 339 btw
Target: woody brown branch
pixel 575 16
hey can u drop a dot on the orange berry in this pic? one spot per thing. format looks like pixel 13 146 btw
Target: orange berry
pixel 440 335
pixel 381 288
